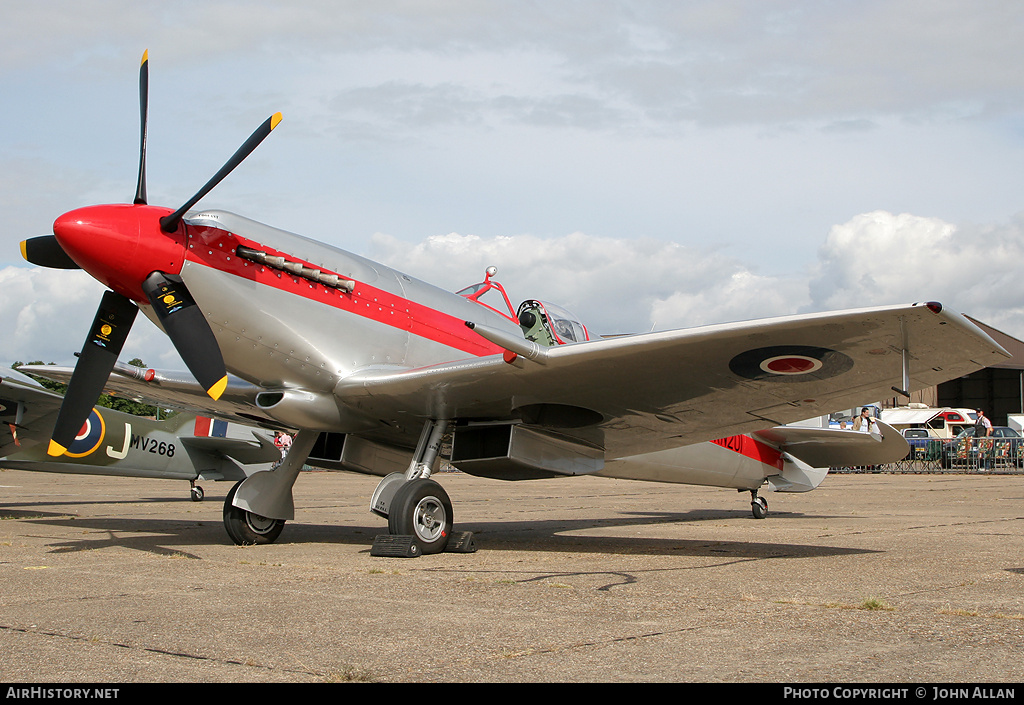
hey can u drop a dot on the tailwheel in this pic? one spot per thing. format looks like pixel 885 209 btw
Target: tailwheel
pixel 246 528
pixel 758 506
pixel 421 508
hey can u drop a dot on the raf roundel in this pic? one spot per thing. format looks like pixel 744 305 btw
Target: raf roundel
pixel 790 363
pixel 89 437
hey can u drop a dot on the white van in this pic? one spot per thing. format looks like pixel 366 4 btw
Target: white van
pixel 944 422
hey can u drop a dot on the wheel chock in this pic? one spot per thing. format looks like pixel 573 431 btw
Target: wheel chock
pixel 395 546
pixel 461 542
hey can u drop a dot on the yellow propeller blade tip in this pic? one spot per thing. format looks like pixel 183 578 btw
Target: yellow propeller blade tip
pixel 274 120
pixel 145 57
pixel 56 449
pixel 24 253
pixel 217 389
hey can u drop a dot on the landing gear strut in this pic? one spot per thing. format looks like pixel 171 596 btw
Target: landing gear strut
pixel 256 509
pixel 758 505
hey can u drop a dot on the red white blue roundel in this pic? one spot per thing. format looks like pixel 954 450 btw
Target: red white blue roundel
pixel 89 437
pixel 790 363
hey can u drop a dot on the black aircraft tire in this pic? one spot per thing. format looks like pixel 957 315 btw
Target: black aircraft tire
pixel 759 508
pixel 246 528
pixel 422 509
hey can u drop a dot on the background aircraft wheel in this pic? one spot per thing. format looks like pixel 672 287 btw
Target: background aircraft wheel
pixel 421 508
pixel 759 506
pixel 197 493
pixel 246 528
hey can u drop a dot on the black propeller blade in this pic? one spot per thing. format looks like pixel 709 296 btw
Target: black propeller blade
pixel 140 190
pixel 169 223
pixel 188 330
pixel 45 251
pixel 110 329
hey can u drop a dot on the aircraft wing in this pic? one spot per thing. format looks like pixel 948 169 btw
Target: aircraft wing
pixel 173 390
pixel 27 412
pixel 648 392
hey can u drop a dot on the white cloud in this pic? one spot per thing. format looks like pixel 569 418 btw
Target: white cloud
pixel 622 285
pixel 615 285
pixel 880 258
pixel 46 315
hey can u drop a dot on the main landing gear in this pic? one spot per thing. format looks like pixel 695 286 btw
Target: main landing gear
pixel 418 510
pixel 758 505
pixel 413 504
pixel 247 528
pixel 421 508
pixel 256 508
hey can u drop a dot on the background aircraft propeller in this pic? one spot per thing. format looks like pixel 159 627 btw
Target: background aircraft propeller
pixel 174 305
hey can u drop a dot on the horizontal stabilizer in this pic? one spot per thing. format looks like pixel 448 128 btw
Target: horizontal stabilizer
pixel 832 447
pixel 245 452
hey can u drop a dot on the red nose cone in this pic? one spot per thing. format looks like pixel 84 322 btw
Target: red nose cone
pixel 120 245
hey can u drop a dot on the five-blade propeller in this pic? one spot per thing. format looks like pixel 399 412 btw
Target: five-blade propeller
pixel 173 304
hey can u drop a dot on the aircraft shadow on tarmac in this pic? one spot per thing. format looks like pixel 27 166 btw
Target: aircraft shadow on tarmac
pixel 165 536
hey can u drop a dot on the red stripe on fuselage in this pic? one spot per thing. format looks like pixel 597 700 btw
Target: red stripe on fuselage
pixel 215 248
pixel 750 448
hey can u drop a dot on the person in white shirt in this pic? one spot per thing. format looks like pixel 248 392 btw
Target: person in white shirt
pixel 864 423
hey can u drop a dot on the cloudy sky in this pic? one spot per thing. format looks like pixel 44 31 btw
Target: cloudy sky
pixel 650 165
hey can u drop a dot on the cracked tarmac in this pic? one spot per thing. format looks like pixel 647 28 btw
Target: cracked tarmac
pixel 870 578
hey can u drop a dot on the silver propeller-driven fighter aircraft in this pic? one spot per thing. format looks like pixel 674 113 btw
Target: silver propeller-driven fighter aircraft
pixel 186 447
pixel 373 367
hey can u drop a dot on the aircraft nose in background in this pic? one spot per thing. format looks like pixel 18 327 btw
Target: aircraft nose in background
pixel 120 245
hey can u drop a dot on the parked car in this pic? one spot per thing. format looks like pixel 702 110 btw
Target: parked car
pixel 1005 448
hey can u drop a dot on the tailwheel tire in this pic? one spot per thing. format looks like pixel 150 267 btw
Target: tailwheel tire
pixel 246 528
pixel 197 493
pixel 759 507
pixel 422 509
